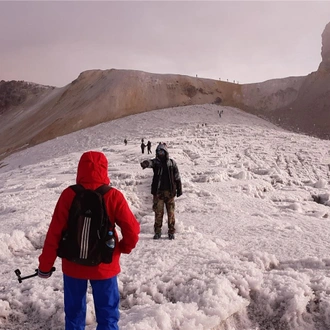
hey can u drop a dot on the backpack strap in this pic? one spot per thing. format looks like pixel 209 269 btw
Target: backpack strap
pixel 77 188
pixel 103 189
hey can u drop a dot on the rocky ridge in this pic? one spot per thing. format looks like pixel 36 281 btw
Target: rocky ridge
pixel 36 114
pixel 325 51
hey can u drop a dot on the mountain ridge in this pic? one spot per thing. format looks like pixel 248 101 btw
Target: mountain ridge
pixel 98 96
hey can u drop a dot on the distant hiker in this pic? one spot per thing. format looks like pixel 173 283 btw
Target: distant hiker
pixel 166 184
pixel 125 141
pixel 92 174
pixel 220 113
pixel 143 146
pixel 149 147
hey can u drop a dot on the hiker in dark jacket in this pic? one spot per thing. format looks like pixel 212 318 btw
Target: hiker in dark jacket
pixel 149 147
pixel 143 146
pixel 166 184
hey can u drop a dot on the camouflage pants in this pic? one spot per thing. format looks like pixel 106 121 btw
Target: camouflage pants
pixel 159 201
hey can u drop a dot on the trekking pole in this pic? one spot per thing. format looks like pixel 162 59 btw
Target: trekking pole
pixel 20 278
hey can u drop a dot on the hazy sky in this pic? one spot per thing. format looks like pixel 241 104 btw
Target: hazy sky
pixel 51 43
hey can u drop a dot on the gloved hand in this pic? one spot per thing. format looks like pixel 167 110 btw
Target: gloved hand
pixel 144 164
pixel 44 274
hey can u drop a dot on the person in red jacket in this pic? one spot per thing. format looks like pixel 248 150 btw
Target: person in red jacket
pixel 92 173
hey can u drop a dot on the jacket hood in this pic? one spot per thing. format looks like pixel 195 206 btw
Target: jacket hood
pixel 162 146
pixel 93 169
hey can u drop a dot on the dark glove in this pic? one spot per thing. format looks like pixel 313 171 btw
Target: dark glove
pixel 45 274
pixel 144 164
pixel 178 193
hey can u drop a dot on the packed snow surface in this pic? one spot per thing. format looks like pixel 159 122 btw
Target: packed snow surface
pixel 252 244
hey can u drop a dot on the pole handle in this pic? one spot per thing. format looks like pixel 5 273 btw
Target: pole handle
pixel 20 278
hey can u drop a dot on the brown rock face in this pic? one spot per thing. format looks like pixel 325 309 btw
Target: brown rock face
pixel 14 93
pixel 325 52
pixel 309 112
pixel 98 96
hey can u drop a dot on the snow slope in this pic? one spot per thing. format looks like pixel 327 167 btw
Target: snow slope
pixel 251 248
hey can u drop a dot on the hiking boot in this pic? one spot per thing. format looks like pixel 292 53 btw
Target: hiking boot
pixel 157 236
pixel 170 236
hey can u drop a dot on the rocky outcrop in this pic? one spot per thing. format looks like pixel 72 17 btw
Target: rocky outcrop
pixel 325 52
pixel 15 93
pixel 270 95
pixel 309 113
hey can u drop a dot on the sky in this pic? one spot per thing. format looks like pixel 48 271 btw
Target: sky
pixel 51 43
pixel 251 250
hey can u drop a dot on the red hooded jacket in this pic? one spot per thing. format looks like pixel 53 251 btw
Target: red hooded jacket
pixel 92 173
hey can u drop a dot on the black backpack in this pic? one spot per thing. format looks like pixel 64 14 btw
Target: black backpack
pixel 90 237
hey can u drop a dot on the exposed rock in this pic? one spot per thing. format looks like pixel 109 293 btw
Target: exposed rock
pixel 309 113
pixel 270 95
pixel 325 52
pixel 101 95
pixel 14 93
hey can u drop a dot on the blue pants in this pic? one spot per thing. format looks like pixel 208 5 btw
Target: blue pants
pixel 106 302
